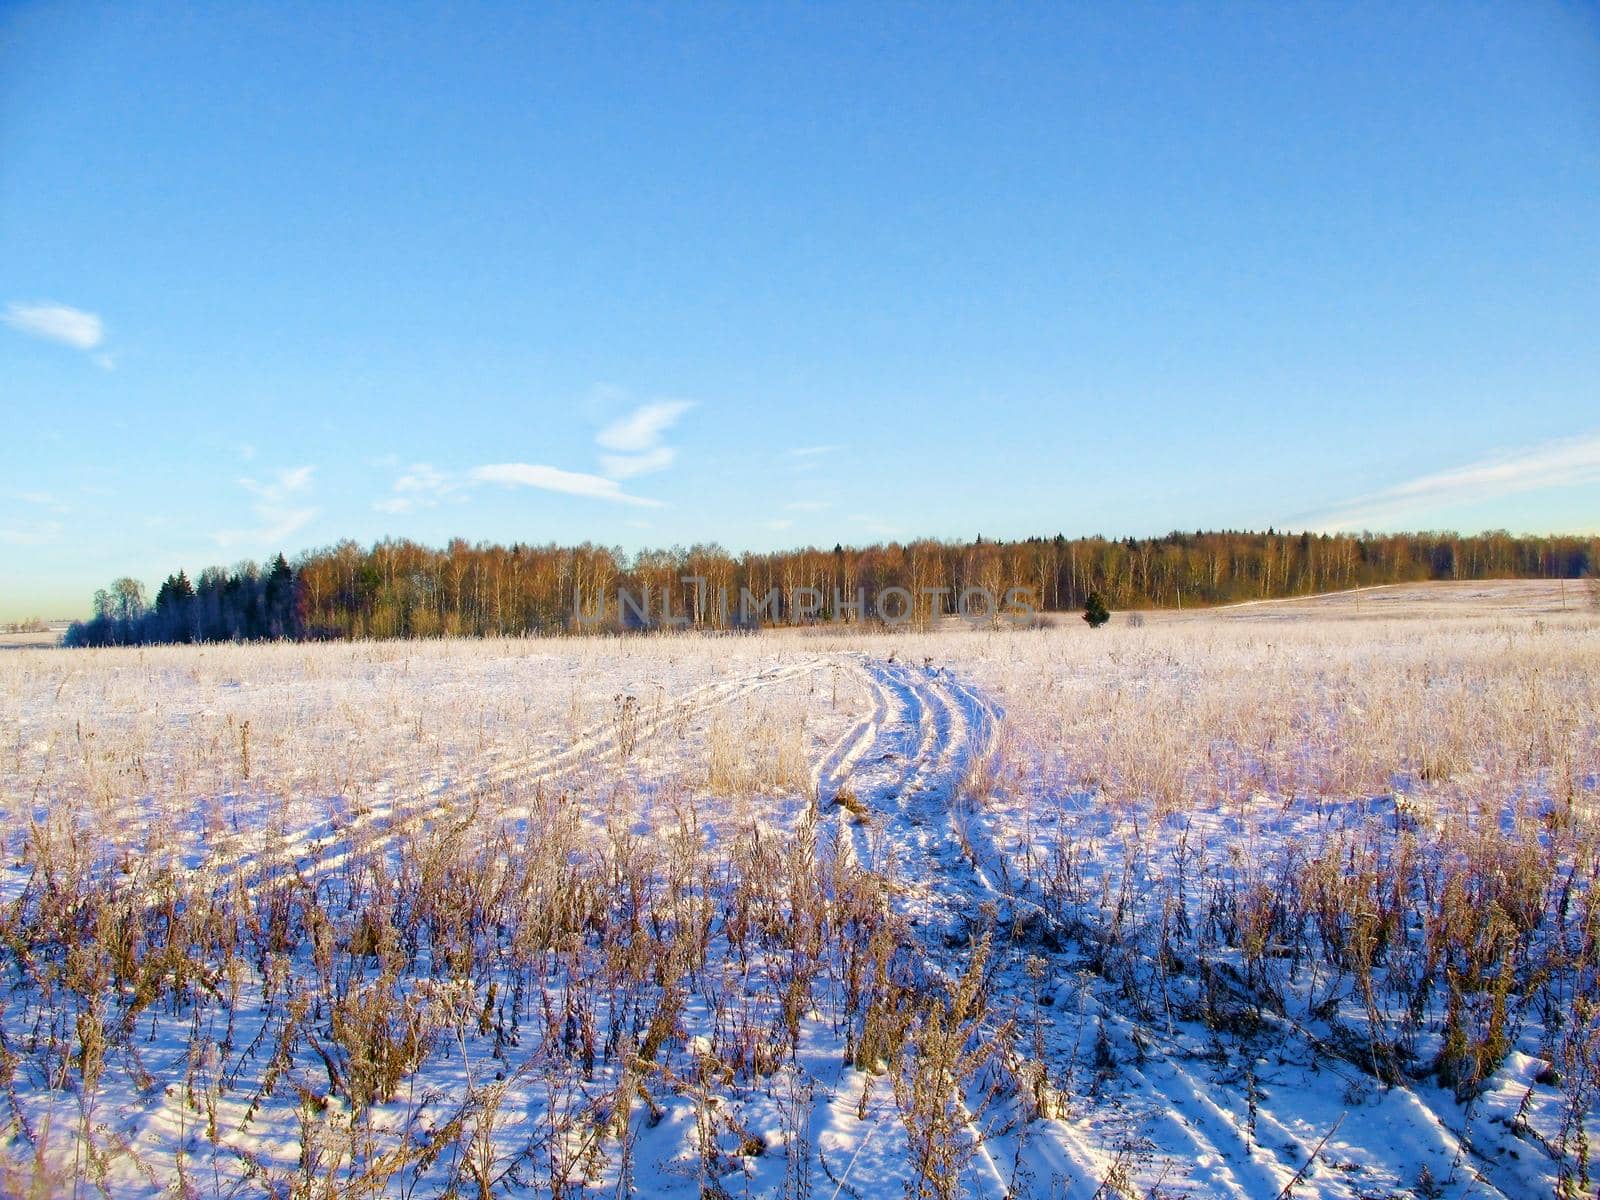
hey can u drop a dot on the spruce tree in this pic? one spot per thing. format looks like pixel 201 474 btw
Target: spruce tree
pixel 280 599
pixel 1095 611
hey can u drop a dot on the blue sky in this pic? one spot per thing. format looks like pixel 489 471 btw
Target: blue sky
pixel 273 275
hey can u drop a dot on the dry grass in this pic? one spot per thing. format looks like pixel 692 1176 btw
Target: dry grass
pixel 312 907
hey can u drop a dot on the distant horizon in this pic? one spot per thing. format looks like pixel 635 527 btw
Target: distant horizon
pixel 630 556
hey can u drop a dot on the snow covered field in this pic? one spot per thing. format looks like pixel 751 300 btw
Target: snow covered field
pixel 1249 903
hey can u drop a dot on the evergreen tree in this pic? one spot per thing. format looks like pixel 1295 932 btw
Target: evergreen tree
pixel 280 600
pixel 172 619
pixel 1095 611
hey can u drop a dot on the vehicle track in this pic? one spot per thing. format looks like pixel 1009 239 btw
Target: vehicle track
pixel 907 764
pixel 921 763
pixel 320 852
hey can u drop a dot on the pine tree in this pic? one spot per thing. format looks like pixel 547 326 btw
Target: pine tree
pixel 280 599
pixel 1095 611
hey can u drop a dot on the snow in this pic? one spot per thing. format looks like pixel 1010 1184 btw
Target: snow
pixel 1063 807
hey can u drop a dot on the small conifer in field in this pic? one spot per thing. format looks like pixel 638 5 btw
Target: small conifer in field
pixel 1095 611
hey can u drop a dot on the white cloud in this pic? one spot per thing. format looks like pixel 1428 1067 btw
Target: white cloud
pixel 280 525
pixel 41 499
pixel 553 479
pixel 425 486
pixel 814 451
pixel 285 483
pixel 1565 463
pixel 275 508
pixel 641 429
pixel 626 466
pixel 636 439
pixel 781 523
pixel 426 479
pixel 56 323
pixel 421 486
pixel 806 506
pixel 36 533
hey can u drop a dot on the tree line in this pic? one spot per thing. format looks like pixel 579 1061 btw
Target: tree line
pixel 401 589
pixel 245 604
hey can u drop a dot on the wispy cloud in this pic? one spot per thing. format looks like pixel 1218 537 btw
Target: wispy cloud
pixel 806 506
pixel 30 533
pixel 421 486
pixel 641 429
pixel 813 451
pixel 1564 463
pixel 554 479
pixel 56 323
pixel 285 483
pixel 635 439
pixel 279 527
pixel 279 507
pixel 631 446
pixel 41 499
pixel 626 466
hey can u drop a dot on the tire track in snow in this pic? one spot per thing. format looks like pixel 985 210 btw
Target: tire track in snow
pixel 307 852
pixel 1194 1139
pixel 831 776
pixel 1223 1154
pixel 907 762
